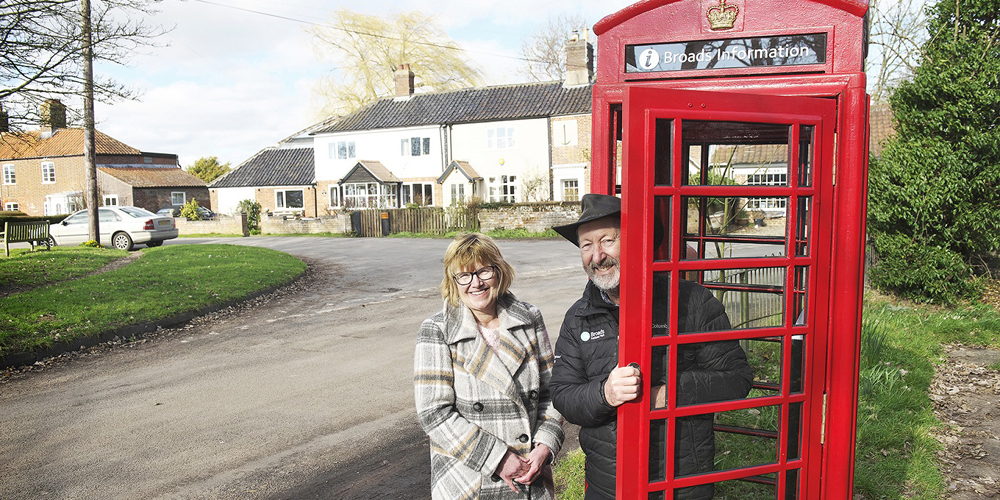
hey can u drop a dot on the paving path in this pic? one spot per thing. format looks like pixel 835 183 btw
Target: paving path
pixel 303 395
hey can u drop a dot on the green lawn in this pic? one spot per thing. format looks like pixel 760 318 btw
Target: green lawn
pixel 33 268
pixel 165 282
pixel 895 452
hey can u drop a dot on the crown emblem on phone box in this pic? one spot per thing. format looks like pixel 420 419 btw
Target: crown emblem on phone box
pixel 722 16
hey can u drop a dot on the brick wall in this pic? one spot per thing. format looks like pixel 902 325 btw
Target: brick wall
pixel 535 217
pixel 571 153
pixel 153 199
pixel 221 225
pixel 338 223
pixel 266 198
pixel 29 192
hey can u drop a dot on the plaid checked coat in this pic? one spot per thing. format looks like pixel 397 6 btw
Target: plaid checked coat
pixel 474 403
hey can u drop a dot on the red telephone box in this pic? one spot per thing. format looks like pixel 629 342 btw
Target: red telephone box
pixel 739 127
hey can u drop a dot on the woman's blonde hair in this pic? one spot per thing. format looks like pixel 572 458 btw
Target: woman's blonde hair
pixel 465 252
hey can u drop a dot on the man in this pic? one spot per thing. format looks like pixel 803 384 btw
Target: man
pixel 587 384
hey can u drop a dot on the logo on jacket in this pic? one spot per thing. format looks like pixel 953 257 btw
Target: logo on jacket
pixel 585 336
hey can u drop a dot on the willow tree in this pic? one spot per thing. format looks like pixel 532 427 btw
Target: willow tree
pixel 366 50
pixel 934 213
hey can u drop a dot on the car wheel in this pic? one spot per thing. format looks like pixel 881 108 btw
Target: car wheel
pixel 122 241
pixel 51 242
pixel 152 244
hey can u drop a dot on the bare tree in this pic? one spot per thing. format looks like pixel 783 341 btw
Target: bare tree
pixel 367 49
pixel 544 49
pixel 41 51
pixel 897 31
pixel 535 185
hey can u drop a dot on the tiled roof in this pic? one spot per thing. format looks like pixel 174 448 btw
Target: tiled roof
pixel 65 142
pixel 880 123
pixel 139 177
pixel 507 102
pixel 462 166
pixel 376 169
pixel 272 167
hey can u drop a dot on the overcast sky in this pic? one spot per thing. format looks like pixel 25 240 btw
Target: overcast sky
pixel 228 82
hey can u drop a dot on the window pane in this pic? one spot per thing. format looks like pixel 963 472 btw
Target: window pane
pixel 743 438
pixel 350 150
pixel 753 297
pixel 663 159
pixel 723 228
pixel 280 199
pixel 295 199
pixel 342 150
pixel 404 147
pixel 415 146
pixel 427 145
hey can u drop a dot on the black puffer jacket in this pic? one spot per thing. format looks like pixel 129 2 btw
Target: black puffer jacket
pixel 587 351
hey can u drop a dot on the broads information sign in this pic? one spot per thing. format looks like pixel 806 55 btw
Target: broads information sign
pixel 784 50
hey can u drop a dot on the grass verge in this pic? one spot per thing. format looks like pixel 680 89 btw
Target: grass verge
pixel 167 281
pixel 896 454
pixel 26 268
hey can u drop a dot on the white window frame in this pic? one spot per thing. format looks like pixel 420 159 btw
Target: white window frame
pixel 283 204
pixel 334 195
pixel 173 197
pixel 508 188
pixel 110 200
pixel 11 206
pixel 500 138
pixel 9 174
pixel 457 193
pixel 342 150
pixel 408 193
pixel 423 145
pixel 566 189
pixel 48 172
pixel 767 179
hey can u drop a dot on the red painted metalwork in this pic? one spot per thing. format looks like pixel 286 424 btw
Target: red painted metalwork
pixel 816 335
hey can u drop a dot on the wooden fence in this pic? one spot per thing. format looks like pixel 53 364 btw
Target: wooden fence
pixel 376 223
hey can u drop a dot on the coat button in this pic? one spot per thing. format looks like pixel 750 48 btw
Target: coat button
pixel 524 438
pixel 478 406
pixel 533 395
pixel 495 478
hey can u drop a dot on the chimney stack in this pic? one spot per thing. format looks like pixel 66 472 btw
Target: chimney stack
pixel 579 60
pixel 53 113
pixel 4 120
pixel 404 81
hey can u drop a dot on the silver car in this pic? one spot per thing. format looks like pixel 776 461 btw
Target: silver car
pixel 121 228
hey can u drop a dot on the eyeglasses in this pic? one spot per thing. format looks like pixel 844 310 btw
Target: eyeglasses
pixel 466 278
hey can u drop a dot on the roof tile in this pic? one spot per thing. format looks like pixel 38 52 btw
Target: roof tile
pixel 272 167
pixel 507 102
pixel 64 142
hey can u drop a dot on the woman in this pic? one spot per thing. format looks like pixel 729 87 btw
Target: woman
pixel 481 373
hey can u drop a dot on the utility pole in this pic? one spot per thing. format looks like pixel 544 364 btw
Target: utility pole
pixel 89 153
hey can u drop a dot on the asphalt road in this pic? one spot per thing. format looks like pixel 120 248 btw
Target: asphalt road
pixel 305 395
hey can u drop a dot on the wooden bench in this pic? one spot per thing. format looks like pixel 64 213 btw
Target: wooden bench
pixel 25 232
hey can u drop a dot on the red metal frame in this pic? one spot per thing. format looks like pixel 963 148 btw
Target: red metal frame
pixel 830 96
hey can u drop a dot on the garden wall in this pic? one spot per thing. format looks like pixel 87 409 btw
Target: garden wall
pixel 535 217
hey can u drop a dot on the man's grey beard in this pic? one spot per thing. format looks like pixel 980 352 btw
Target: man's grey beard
pixel 607 283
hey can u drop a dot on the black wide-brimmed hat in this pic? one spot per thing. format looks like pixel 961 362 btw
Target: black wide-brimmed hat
pixel 595 206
